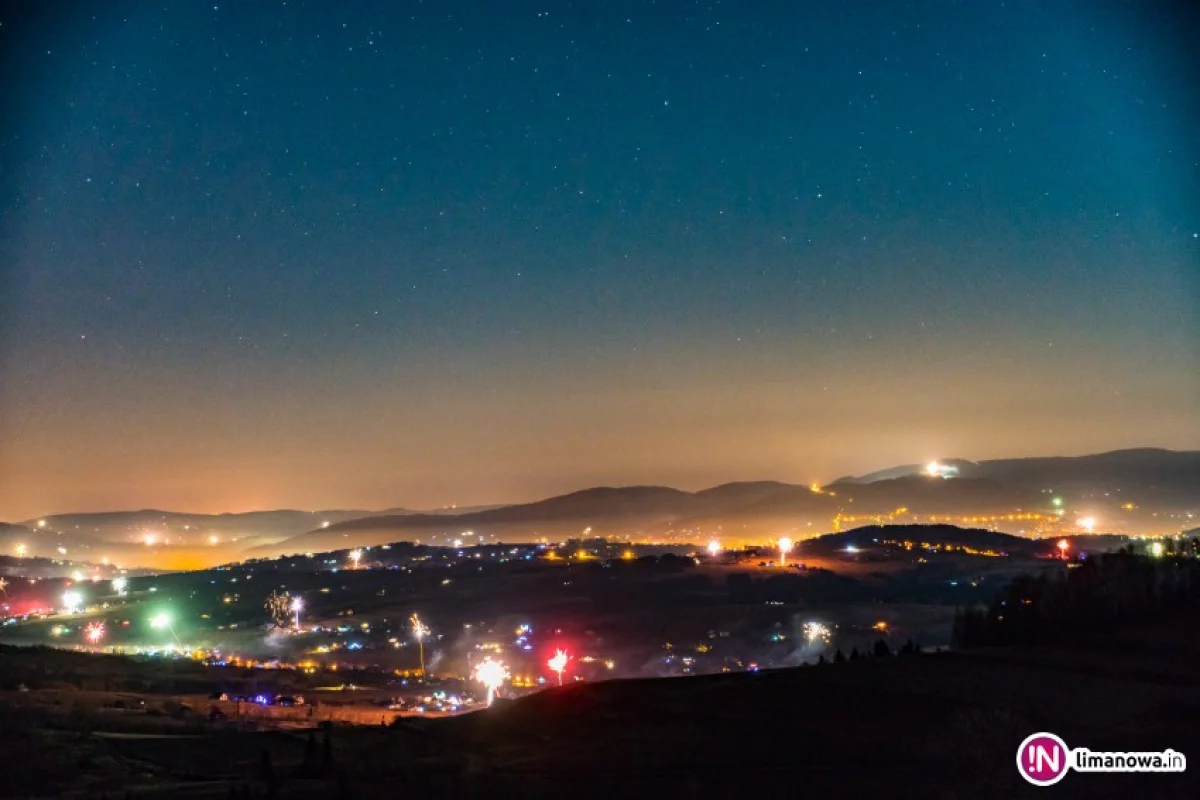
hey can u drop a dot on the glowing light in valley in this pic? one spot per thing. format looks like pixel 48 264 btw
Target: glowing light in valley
pixel 714 548
pixel 120 586
pixel 1156 549
pixel 933 468
pixel 1088 524
pixel 297 607
pixel 559 663
pixel 356 556
pixel 419 631
pixel 72 601
pixel 817 633
pixel 21 549
pixel 785 547
pixel 94 632
pixel 491 674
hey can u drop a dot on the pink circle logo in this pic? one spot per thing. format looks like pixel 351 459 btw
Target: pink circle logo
pixel 1042 759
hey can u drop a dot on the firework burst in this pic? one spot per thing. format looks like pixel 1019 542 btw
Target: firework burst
pixel 559 663
pixel 817 633
pixel 491 674
pixel 94 632
pixel 279 606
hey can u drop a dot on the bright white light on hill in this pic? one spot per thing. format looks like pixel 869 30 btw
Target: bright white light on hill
pixel 935 469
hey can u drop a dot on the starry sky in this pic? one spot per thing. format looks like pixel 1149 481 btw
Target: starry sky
pixel 411 254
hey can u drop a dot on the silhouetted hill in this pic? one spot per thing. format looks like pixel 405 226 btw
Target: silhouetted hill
pixel 1152 473
pixel 863 538
pixel 923 495
pixel 745 492
pixel 571 514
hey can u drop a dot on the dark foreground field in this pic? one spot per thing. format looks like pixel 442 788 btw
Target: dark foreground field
pixel 937 725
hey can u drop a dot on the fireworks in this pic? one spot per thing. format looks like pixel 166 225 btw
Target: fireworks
pixel 1063 547
pixel 714 548
pixel 491 674
pixel 94 632
pixel 817 633
pixel 72 602
pixel 297 605
pixel 162 620
pixel 559 663
pixel 21 549
pixel 120 586
pixel 785 547
pixel 3 586
pixel 420 631
pixel 279 606
pixel 356 556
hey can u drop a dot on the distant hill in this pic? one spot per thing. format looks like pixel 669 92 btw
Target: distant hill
pixel 1146 471
pixel 604 509
pixel 1126 491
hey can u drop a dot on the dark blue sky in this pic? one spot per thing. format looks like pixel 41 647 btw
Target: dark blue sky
pixel 313 255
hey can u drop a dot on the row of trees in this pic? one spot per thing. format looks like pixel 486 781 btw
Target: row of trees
pixel 881 649
pixel 1100 593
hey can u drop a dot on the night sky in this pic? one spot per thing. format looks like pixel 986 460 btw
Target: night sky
pixel 333 255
